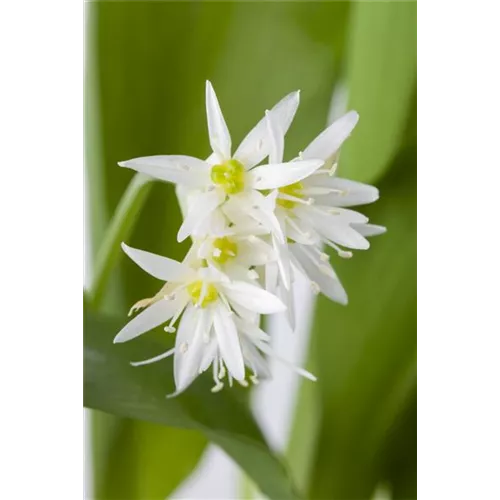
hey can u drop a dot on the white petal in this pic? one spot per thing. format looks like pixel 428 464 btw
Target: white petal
pixel 178 169
pixel 253 297
pixel 199 210
pixel 183 338
pixel 220 140
pixel 255 147
pixel 261 208
pixel 214 159
pixel 301 231
pixel 369 229
pixel 155 315
pixel 334 228
pixel 282 174
pixel 340 215
pixel 229 344
pixel 209 354
pixel 190 349
pixel 329 141
pixel 251 331
pixel 254 359
pixel 286 295
pixel 160 267
pixel 283 261
pixel 237 271
pixel 321 273
pixel 244 313
pixel 269 351
pixel 255 252
pixel 277 142
pixel 334 191
pixel 271 277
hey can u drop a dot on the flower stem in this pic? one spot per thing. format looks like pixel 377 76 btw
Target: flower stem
pixel 119 228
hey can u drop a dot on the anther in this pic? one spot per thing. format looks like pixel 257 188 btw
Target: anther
pixel 324 257
pixel 344 254
pixel 252 274
pixel 217 252
pixel 315 288
pixel 254 379
pixel 169 329
pixel 217 387
pixel 170 296
pixel 183 347
pixel 243 383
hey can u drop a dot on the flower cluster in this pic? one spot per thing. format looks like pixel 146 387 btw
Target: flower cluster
pixel 253 226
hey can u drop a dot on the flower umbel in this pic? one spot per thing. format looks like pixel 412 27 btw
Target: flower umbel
pixel 253 226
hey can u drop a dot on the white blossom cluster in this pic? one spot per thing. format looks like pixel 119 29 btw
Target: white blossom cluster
pixel 255 222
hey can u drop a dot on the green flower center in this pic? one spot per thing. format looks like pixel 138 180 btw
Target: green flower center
pixel 194 289
pixel 294 190
pixel 229 175
pixel 224 250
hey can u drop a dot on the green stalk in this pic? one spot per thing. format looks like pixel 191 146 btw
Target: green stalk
pixel 120 227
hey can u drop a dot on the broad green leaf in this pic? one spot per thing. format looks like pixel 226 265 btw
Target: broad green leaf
pixel 381 75
pixel 145 460
pixel 365 353
pixel 113 386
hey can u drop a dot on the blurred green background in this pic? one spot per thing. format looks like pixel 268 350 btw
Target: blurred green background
pixel 146 66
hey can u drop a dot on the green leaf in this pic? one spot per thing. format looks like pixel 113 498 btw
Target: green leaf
pixel 366 352
pixel 381 76
pixel 146 461
pixel 113 386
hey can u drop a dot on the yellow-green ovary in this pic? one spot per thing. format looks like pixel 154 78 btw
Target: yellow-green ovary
pixel 229 175
pixel 224 250
pixel 294 190
pixel 194 290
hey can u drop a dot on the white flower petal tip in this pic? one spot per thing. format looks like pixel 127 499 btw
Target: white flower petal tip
pixel 220 140
pixel 327 143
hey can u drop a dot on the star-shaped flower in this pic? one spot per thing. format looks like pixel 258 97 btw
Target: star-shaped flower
pixel 217 324
pixel 230 176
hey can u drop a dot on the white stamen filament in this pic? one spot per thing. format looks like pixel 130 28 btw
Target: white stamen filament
pixel 156 358
pixel 218 384
pixel 222 369
pixel 174 318
pixel 267 350
pixel 288 197
pixel 295 226
pixel 321 191
pixel 224 301
pixel 344 254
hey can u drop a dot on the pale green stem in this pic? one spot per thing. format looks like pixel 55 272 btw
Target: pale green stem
pixel 119 228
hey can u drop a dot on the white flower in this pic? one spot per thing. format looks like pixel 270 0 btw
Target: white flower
pixel 235 250
pixel 224 175
pixel 217 321
pixel 312 212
